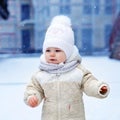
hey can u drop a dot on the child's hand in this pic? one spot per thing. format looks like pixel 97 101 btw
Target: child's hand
pixel 33 101
pixel 103 90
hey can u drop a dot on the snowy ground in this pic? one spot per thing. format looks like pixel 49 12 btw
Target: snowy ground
pixel 15 72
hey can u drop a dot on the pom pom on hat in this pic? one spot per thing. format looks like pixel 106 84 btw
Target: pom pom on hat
pixel 61 19
pixel 60 35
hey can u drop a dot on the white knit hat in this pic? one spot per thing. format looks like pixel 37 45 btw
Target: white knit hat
pixel 60 35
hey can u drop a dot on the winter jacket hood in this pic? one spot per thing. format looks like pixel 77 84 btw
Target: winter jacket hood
pixel 74 57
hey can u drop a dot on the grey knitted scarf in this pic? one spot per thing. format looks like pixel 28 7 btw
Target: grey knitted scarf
pixel 58 68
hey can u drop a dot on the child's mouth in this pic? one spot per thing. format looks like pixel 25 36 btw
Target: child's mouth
pixel 52 59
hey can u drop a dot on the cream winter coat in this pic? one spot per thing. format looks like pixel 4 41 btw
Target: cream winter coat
pixel 62 93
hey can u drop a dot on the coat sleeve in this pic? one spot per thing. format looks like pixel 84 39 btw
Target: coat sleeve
pixel 91 85
pixel 33 88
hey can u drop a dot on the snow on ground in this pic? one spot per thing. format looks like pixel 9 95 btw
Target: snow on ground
pixel 15 72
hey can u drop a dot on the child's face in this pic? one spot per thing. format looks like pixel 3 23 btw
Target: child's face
pixel 55 55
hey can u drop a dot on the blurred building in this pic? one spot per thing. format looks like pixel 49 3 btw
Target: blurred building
pixel 92 22
pixel 15 36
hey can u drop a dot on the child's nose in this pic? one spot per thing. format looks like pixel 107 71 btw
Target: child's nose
pixel 52 54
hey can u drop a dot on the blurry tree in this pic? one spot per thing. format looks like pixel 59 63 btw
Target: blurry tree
pixel 4 13
pixel 115 39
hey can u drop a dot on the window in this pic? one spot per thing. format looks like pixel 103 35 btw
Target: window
pixel 25 11
pixel 25 40
pixel 87 7
pixel 96 6
pixel 47 11
pixel 65 7
pixel 87 40
pixel 107 32
pixel 25 33
pixel 108 7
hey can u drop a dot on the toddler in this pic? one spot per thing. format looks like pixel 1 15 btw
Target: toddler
pixel 62 79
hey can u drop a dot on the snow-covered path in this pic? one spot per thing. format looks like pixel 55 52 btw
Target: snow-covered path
pixel 15 72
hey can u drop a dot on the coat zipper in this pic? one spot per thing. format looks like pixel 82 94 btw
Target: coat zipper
pixel 58 86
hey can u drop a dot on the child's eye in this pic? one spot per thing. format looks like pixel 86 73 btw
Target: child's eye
pixel 47 50
pixel 57 50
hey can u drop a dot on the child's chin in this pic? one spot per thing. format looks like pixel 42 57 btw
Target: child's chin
pixel 53 62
